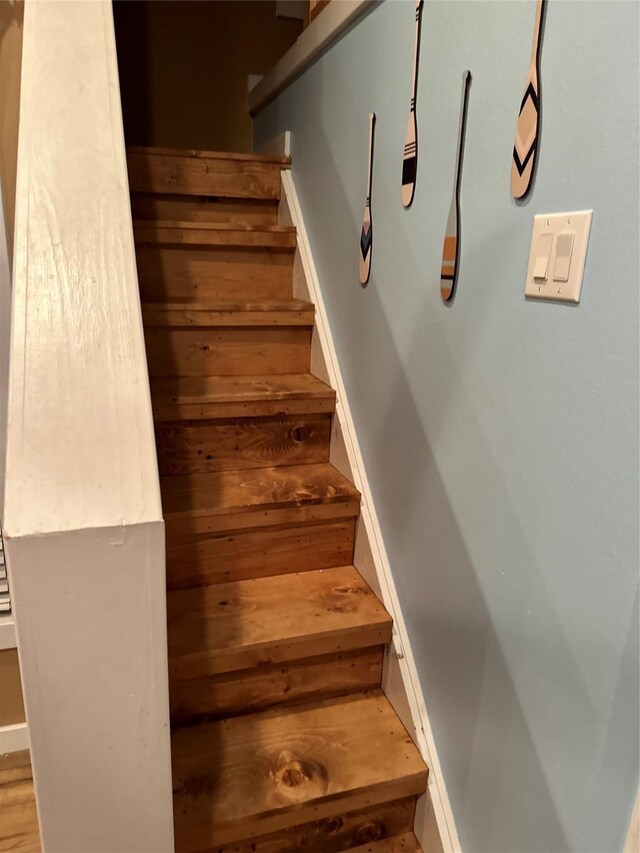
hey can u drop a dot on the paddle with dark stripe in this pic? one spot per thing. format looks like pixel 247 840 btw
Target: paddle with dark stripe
pixel 410 156
pixel 366 235
pixel 525 146
pixel 451 246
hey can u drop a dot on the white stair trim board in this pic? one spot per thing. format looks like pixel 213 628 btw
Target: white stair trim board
pixel 309 46
pixel 14 738
pixel 401 682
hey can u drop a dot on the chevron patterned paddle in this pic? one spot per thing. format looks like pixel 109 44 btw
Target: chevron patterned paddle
pixel 525 146
pixel 366 235
pixel 451 246
pixel 410 156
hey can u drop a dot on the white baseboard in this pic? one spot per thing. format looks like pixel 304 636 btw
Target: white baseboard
pixel 434 816
pixel 13 738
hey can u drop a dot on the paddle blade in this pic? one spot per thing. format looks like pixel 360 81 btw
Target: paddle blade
pixel 366 245
pixel 449 268
pixel 410 161
pixel 526 141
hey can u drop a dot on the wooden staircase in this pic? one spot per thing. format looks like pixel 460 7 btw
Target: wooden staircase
pixel 282 739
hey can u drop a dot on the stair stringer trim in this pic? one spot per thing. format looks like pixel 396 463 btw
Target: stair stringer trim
pixel 435 825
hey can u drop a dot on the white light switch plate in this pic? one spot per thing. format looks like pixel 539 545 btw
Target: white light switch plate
pixel 556 285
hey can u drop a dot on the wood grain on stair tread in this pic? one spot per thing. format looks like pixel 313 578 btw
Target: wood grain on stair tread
pixel 195 272
pixel 192 397
pixel 185 208
pixel 177 234
pixel 227 350
pixel 268 312
pixel 201 446
pixel 244 691
pixel 241 156
pixel 255 490
pixel 200 560
pixel 405 843
pixel 203 173
pixel 248 776
pixel 18 817
pixel 335 834
pixel 246 623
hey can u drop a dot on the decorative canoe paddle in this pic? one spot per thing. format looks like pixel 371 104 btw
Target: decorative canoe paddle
pixel 451 247
pixel 410 158
pixel 366 235
pixel 525 147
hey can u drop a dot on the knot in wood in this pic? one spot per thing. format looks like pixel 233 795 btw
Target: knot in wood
pixel 298 779
pixel 300 433
pixel 333 825
pixel 369 832
pixel 350 590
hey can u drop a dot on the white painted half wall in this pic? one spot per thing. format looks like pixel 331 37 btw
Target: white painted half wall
pixel 83 523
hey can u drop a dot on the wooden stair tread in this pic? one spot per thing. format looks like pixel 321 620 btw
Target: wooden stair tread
pixel 228 492
pixel 267 312
pixel 190 233
pixel 201 397
pixel 210 155
pixel 406 843
pixel 272 619
pixel 187 390
pixel 241 777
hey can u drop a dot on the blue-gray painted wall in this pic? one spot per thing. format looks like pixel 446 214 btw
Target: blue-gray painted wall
pixel 500 436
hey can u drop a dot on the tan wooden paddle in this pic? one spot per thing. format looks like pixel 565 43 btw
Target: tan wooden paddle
pixel 451 245
pixel 366 235
pixel 410 156
pixel 525 146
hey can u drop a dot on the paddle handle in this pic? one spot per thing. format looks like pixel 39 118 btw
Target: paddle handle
pixel 466 83
pixel 537 31
pixel 416 47
pixel 372 124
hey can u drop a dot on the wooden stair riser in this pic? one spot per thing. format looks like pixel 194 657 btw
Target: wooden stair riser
pixel 336 834
pixel 215 445
pixel 227 351
pixel 245 777
pixel 201 560
pixel 167 273
pixel 207 175
pixel 213 697
pixel 185 208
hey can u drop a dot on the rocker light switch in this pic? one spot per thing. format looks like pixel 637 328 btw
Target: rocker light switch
pixel 557 256
pixel 564 250
pixel 543 255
